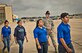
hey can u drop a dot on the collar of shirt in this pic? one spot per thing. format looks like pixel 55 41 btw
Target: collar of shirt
pixel 19 26
pixel 41 28
pixel 6 27
pixel 64 24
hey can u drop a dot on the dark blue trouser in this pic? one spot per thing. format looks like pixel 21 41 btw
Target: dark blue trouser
pixel 44 48
pixel 61 49
pixel 6 41
pixel 20 42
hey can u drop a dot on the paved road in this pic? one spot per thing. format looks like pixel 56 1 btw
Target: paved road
pixel 76 32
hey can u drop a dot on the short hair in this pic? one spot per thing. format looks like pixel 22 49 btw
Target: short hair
pixel 18 21
pixel 63 15
pixel 47 13
pixel 6 21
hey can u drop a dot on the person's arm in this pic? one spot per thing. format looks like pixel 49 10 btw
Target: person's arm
pixel 25 35
pixel 10 37
pixel 37 42
pixel 65 45
pixel 15 32
pixel 2 34
pixel 15 35
pixel 48 40
pixel 52 24
pixel 52 27
pixel 10 33
pixel 36 39
pixel 26 38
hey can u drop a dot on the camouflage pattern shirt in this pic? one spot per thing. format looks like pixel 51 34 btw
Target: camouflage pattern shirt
pixel 48 23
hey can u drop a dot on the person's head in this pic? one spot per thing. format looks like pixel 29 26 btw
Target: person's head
pixel 65 17
pixel 6 22
pixel 19 22
pixel 47 14
pixel 39 23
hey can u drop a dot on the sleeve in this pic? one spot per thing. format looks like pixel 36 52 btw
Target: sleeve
pixel 35 33
pixel 60 32
pixel 15 32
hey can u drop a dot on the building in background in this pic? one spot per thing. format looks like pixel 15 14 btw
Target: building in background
pixel 5 13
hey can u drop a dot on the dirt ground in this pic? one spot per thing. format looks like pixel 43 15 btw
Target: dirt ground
pixel 30 47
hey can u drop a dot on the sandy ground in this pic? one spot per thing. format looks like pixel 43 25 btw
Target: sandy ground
pixel 30 47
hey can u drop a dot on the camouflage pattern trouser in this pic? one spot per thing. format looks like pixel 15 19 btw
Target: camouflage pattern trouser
pixel 51 35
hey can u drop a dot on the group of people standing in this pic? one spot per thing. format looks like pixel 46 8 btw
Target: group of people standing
pixel 43 31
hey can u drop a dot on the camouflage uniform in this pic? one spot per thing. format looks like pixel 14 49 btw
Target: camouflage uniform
pixel 48 23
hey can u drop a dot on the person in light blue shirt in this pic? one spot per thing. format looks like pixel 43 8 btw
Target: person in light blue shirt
pixel 41 38
pixel 64 36
pixel 6 36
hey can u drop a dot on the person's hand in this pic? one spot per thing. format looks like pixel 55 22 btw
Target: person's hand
pixel 48 43
pixel 26 40
pixel 39 47
pixel 55 48
pixel 69 50
pixel 15 40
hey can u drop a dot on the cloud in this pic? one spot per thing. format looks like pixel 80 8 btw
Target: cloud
pixel 38 7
